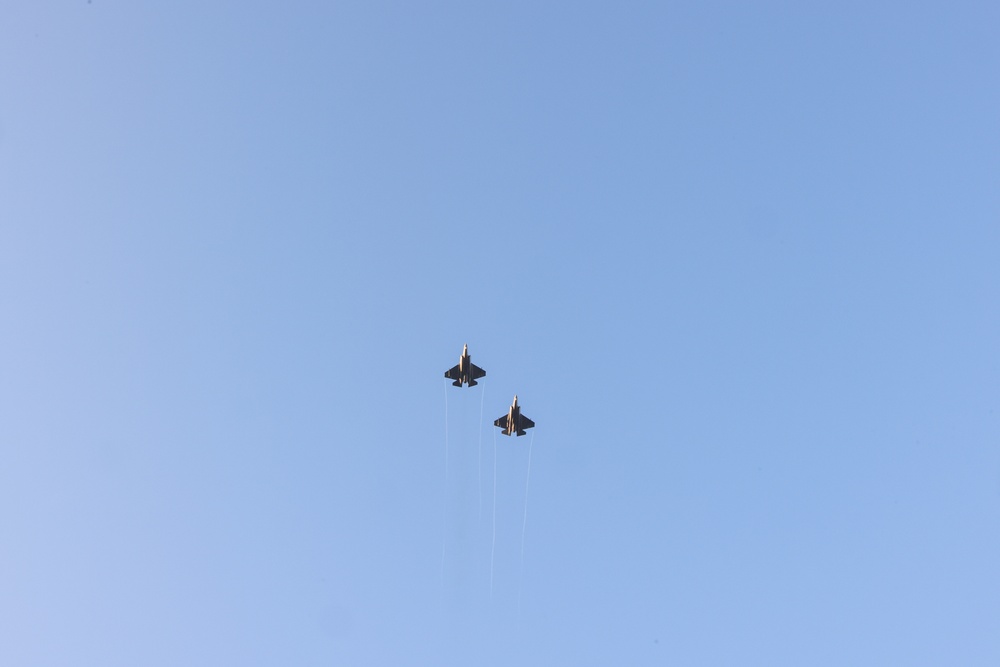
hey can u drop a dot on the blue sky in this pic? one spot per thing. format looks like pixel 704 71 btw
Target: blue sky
pixel 739 263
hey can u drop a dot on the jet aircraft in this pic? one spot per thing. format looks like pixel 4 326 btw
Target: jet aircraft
pixel 466 372
pixel 514 421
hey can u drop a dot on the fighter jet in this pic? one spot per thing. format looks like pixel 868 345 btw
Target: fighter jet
pixel 514 420
pixel 466 372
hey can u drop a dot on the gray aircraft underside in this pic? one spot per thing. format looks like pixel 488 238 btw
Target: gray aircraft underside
pixel 466 372
pixel 514 422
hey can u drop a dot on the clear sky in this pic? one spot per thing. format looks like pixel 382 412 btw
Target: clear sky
pixel 739 261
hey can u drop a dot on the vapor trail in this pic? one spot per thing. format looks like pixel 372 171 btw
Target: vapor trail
pixel 527 481
pixel 524 523
pixel 482 399
pixel 493 550
pixel 446 431
pixel 444 518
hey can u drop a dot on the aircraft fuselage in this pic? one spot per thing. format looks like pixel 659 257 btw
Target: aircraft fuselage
pixel 465 372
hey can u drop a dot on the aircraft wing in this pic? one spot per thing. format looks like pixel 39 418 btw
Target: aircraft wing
pixel 477 372
pixel 526 423
pixel 502 422
pixel 453 373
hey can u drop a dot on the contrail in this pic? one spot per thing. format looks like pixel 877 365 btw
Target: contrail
pixel 493 550
pixel 445 431
pixel 527 481
pixel 444 520
pixel 482 398
pixel 524 524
